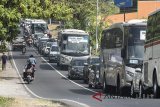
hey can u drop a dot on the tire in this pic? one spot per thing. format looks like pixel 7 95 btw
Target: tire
pixel 118 86
pixel 141 91
pixel 90 85
pixel 49 60
pixel 58 64
pixel 69 76
pixel 84 80
pixel 13 48
pixel 28 80
pixel 132 93
pixel 104 85
pixel 95 86
pixel 155 87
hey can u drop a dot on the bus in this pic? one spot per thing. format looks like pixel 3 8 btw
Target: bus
pixel 38 26
pixel 151 69
pixel 72 43
pixel 122 50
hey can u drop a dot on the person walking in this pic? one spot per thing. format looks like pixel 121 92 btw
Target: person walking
pixel 4 61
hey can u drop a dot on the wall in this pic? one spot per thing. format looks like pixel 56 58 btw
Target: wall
pixel 144 9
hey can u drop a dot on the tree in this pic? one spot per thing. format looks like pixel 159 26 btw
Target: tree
pixel 11 11
pixel 84 16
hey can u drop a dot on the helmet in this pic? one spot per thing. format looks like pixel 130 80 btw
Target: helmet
pixel 31 55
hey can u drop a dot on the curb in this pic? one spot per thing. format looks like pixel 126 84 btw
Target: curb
pixel 61 101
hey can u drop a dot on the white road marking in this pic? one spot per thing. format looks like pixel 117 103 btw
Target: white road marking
pixel 31 92
pixel 67 78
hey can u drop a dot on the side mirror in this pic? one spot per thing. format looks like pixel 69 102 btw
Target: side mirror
pixel 85 64
pixel 138 70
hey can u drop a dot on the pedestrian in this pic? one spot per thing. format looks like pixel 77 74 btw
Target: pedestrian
pixel 4 61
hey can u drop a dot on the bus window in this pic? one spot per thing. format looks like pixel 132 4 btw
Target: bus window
pixel 118 38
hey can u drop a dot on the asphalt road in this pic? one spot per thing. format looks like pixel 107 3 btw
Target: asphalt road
pixel 51 82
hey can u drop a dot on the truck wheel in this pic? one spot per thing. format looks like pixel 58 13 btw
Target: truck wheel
pixel 155 87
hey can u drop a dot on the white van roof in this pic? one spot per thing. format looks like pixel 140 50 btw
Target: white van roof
pixel 73 31
pixel 38 21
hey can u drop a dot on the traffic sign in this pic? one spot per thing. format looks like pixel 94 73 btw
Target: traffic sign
pixel 123 3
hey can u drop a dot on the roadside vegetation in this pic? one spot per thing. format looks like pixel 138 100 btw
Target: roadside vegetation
pixel 78 14
pixel 18 102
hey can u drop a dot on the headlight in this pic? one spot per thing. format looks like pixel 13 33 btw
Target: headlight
pixel 130 73
pixel 73 69
pixel 97 76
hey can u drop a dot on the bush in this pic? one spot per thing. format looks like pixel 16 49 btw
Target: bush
pixel 3 47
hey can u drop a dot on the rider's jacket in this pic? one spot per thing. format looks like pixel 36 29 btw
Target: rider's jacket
pixel 32 61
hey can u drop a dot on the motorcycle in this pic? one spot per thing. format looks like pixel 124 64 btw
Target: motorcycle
pixel 28 74
pixel 30 43
pixel 23 49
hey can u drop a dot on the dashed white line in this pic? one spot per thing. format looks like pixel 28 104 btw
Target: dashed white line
pixel 31 92
pixel 67 78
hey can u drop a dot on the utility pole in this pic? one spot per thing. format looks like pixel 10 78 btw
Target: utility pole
pixel 97 28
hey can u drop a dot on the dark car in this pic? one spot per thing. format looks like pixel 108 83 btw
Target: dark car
pixel 75 69
pixel 90 61
pixel 18 43
pixel 94 76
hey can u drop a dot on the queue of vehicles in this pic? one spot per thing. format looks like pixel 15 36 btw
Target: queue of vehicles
pixel 128 60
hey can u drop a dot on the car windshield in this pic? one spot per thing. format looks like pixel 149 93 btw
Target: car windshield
pixel 94 60
pixel 55 48
pixel 49 44
pixel 79 62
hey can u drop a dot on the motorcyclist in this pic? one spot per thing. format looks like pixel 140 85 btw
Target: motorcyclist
pixel 27 67
pixel 31 61
pixel 29 40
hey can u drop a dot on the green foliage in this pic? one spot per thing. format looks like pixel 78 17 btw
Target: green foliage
pixel 5 102
pixel 79 14
pixel 84 16
pixel 11 11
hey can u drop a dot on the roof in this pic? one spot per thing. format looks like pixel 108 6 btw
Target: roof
pixel 73 31
pixel 38 21
pixel 158 10
pixel 54 44
pixel 141 22
pixel 94 56
pixel 79 58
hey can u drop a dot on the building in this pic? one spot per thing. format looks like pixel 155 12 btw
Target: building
pixel 144 8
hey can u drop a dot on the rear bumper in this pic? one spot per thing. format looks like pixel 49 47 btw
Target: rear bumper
pixel 77 74
pixel 18 46
pixel 53 58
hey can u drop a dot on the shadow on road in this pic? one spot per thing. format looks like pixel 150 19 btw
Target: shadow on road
pixel 81 91
pixel 21 83
pixel 45 67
